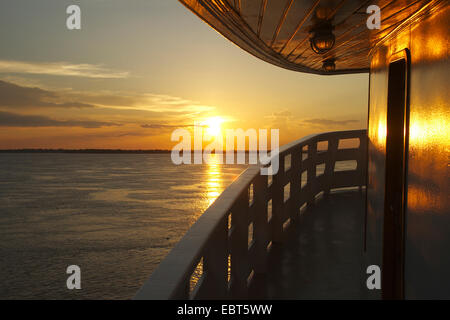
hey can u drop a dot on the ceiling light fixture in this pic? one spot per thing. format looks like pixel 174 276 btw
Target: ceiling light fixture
pixel 322 38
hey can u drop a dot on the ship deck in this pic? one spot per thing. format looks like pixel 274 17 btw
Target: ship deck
pixel 322 255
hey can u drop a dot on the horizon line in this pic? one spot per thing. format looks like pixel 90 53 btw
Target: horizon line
pixel 99 150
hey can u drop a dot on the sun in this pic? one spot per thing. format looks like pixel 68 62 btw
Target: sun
pixel 213 126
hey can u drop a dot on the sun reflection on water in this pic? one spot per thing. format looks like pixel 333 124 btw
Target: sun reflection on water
pixel 214 183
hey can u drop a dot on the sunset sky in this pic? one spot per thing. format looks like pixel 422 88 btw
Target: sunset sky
pixel 139 69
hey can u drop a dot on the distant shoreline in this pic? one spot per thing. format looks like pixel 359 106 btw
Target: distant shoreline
pixel 104 151
pixel 83 151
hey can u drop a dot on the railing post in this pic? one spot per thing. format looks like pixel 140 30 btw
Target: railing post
pixel 240 267
pixel 260 225
pixel 311 180
pixel 278 203
pixel 215 264
pixel 362 160
pixel 296 182
pixel 330 162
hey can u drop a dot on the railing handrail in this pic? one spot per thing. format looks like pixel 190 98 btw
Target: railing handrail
pixel 212 238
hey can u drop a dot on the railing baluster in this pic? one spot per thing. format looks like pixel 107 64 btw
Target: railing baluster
pixel 362 160
pixel 215 264
pixel 240 267
pixel 312 181
pixel 333 144
pixel 278 203
pixel 261 227
pixel 296 182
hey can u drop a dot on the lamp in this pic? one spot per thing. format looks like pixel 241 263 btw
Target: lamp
pixel 329 65
pixel 322 38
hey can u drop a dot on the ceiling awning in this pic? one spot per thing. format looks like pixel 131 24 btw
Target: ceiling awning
pixel 279 31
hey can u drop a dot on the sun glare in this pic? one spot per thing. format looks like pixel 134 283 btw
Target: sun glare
pixel 213 126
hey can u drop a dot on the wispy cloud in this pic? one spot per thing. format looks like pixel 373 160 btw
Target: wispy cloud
pixel 135 101
pixel 60 69
pixel 328 122
pixel 8 119
pixel 164 126
pixel 281 119
pixel 151 102
pixel 15 96
pixel 143 110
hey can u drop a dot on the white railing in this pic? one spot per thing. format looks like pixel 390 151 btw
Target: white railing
pixel 230 242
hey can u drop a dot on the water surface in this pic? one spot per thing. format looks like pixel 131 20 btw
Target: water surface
pixel 115 215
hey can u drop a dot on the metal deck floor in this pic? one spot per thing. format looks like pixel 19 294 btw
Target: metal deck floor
pixel 322 257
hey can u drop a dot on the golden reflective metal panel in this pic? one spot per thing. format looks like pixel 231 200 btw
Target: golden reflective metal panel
pixel 427 210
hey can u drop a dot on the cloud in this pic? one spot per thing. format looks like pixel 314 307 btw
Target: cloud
pixel 12 95
pixel 8 119
pixel 280 115
pixel 163 126
pixel 147 110
pixel 328 122
pixel 281 119
pixel 164 103
pixel 60 69
pixel 284 113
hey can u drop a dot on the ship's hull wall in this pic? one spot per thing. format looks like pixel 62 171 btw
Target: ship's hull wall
pixel 427 205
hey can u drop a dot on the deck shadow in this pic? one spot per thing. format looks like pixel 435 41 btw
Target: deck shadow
pixel 322 257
